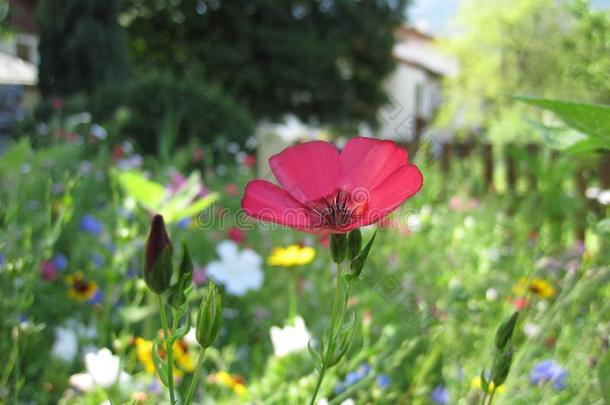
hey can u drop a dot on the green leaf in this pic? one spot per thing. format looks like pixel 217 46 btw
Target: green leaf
pixel 590 119
pixel 135 314
pixel 159 363
pixel 315 356
pixel 185 322
pixel 147 193
pixel 603 376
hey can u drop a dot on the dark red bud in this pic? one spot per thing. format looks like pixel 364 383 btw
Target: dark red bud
pixel 158 263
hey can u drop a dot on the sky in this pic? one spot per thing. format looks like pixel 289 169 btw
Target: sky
pixel 433 16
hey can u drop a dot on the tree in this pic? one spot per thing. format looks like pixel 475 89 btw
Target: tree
pixel 320 59
pixel 81 45
pixel 545 48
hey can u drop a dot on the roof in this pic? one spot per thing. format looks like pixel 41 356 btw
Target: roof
pixel 16 71
pixel 418 49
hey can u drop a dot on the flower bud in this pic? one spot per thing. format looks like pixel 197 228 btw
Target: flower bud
pixel 505 331
pixel 354 243
pixel 338 247
pixel 501 366
pixel 209 318
pixel 158 260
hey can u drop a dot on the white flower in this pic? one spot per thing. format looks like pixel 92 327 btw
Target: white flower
pixel 237 271
pixel 348 401
pixel 103 370
pixel 531 329
pixel 604 197
pixel 65 346
pixel 290 338
pixel 491 294
pixel 592 192
pixel 191 338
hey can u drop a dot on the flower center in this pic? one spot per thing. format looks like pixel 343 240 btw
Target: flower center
pixel 339 209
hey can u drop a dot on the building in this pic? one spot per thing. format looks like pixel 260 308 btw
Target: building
pixel 18 64
pixel 415 86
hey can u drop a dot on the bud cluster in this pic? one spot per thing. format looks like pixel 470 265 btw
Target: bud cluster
pixel 503 354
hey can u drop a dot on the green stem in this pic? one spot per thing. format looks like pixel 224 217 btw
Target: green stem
pixel 169 371
pixel 484 398
pixel 318 384
pixel 292 291
pixel 491 397
pixel 191 390
pixel 330 344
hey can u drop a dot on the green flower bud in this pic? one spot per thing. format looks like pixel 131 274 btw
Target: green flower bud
pixel 505 331
pixel 354 243
pixel 158 260
pixel 357 263
pixel 338 247
pixel 209 318
pixel 501 366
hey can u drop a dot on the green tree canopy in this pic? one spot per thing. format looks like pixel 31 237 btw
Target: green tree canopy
pixel 81 45
pixel 320 59
pixel 555 49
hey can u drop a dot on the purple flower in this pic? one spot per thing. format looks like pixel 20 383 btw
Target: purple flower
pixel 97 298
pixel 97 260
pixel 61 261
pixel 90 224
pixel 384 380
pixel 549 370
pixel 1 259
pixel 440 395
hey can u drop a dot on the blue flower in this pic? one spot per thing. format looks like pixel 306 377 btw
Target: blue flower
pixel 549 370
pixel 111 247
pixel 1 259
pixel 183 223
pixel 61 261
pixel 440 395
pixel 97 298
pixel 97 260
pixel 92 225
pixel 132 272
pixel 384 380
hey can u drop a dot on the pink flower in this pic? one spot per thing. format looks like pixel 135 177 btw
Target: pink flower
pixel 198 154
pixel 249 160
pixel 231 189
pixel 48 270
pixel 327 191
pixel 236 234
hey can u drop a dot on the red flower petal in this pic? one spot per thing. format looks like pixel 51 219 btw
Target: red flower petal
pixel 367 162
pixel 393 191
pixel 266 201
pixel 307 171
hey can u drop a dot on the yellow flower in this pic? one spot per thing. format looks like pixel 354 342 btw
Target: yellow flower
pixel 536 286
pixel 182 358
pixel 292 255
pixel 236 383
pixel 476 383
pixel 144 353
pixel 79 288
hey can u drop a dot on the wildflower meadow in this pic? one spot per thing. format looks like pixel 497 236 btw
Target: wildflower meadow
pixel 193 212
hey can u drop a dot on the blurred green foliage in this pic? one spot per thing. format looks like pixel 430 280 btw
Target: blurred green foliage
pixel 323 60
pixel 81 46
pixel 543 48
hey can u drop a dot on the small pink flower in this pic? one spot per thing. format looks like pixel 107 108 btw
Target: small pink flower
pixel 231 189
pixel 249 160
pixel 236 234
pixel 327 191
pixel 199 276
pixel 198 155
pixel 57 103
pixel 48 270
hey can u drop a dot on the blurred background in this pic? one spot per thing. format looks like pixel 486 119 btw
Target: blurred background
pixel 111 110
